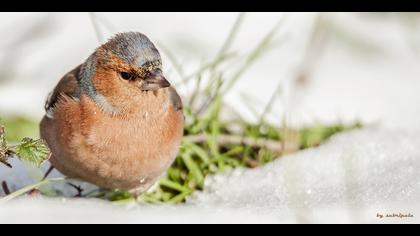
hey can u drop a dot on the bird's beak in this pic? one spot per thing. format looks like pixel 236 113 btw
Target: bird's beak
pixel 155 81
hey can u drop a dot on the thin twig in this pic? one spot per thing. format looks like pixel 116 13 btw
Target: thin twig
pixel 5 163
pixel 5 187
pixel 48 171
pixel 78 188
pixel 273 145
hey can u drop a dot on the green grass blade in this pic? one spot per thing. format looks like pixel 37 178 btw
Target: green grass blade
pixel 173 185
pixel 254 55
pixel 269 105
pixel 199 151
pixel 193 168
pixel 231 37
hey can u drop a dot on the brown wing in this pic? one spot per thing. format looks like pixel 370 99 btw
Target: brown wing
pixel 175 99
pixel 66 86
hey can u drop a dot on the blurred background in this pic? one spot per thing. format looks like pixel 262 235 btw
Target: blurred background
pixel 318 67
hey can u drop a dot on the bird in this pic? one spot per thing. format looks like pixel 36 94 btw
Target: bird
pixel 115 121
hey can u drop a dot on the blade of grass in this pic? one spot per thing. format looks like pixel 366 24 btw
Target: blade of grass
pixel 193 168
pixel 212 89
pixel 254 55
pixel 224 50
pixel 175 63
pixel 269 105
pixel 180 197
pixel 234 151
pixel 248 102
pixel 29 188
pixel 199 151
pixel 222 54
pixel 196 91
pixel 214 144
pixel 123 201
pixel 150 199
pixel 202 69
pixel 230 38
pixel 173 185
pixel 211 113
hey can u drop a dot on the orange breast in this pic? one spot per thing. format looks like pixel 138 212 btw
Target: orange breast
pixel 115 151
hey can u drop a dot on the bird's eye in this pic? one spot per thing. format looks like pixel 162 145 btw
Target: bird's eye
pixel 127 76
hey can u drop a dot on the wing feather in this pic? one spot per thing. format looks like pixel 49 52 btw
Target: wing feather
pixel 67 86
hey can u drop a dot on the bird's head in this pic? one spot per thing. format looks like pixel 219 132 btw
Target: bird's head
pixel 124 67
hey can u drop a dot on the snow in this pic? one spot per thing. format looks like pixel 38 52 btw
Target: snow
pixel 75 211
pixel 355 177
pixel 350 179
pixel 23 174
pixel 366 171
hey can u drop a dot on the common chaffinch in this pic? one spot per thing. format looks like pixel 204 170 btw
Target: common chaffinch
pixel 115 121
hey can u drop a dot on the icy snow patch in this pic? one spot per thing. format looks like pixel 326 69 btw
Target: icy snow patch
pixel 355 175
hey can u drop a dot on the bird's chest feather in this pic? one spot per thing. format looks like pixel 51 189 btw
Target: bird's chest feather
pixel 115 151
pixel 151 131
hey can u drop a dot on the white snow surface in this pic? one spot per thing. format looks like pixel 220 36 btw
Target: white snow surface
pixel 352 178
